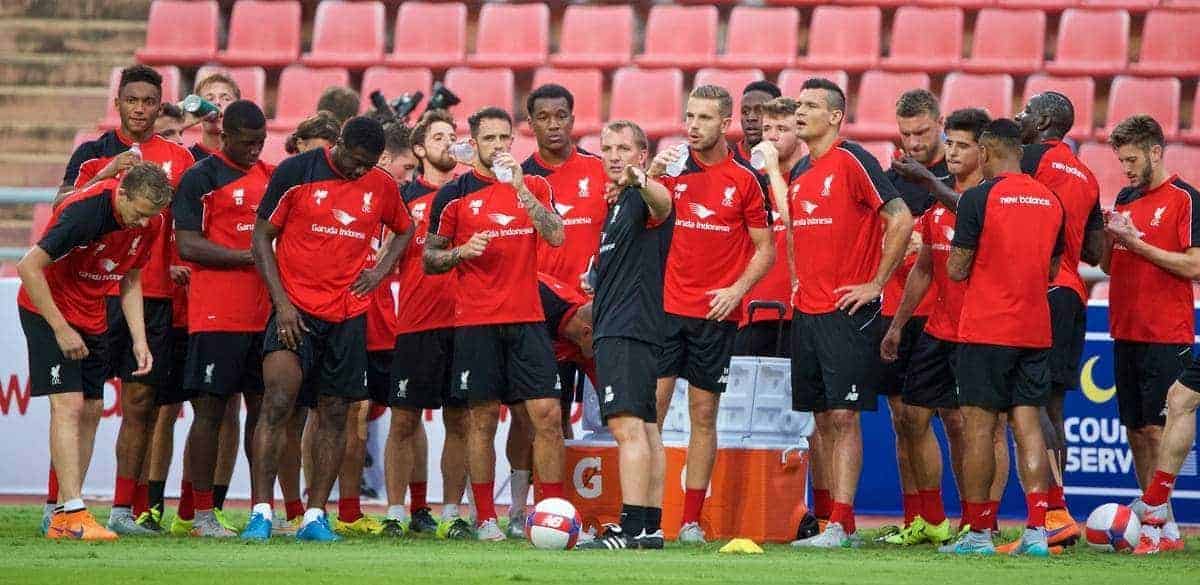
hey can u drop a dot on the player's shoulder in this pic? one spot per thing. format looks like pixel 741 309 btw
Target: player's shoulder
pixel 295 168
pixel 980 192
pixel 1128 194
pixel 175 151
pixel 532 166
pixel 105 145
pixel 739 169
pixel 800 167
pixel 1032 156
pixel 98 194
pixel 1184 186
pixel 852 151
pixel 416 189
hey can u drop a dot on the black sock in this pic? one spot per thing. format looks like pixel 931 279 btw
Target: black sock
pixel 653 519
pixel 156 494
pixel 633 520
pixel 219 492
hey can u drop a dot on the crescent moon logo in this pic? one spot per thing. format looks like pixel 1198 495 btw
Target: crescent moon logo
pixel 1088 385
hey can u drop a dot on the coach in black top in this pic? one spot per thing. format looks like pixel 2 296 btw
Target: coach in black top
pixel 629 321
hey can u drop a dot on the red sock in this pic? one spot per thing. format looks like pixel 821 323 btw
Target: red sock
pixel 141 499
pixel 295 508
pixel 416 492
pixel 551 490
pixel 1055 498
pixel 993 507
pixel 1160 488
pixel 123 495
pixel 203 500
pixel 52 487
pixel 485 506
pixel 843 514
pixel 187 510
pixel 693 503
pixel 978 515
pixel 822 504
pixel 1037 506
pixel 349 509
pixel 932 509
pixel 912 507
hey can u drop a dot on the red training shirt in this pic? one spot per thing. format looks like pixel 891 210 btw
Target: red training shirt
pixel 426 300
pixel 1054 165
pixel 578 184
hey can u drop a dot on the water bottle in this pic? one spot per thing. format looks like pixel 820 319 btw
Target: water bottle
pixel 136 148
pixel 676 168
pixel 462 151
pixel 503 174
pixel 758 160
pixel 198 106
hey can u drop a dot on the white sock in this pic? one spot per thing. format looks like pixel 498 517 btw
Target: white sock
pixel 312 515
pixel 450 512
pixel 265 510
pixel 472 514
pixel 518 484
pixel 74 505
pixel 398 512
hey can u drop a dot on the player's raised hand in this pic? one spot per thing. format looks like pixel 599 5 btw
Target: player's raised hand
pixel 505 159
pixel 662 160
pixel 770 155
pixel 475 246
pixel 120 164
pixel 70 342
pixel 145 359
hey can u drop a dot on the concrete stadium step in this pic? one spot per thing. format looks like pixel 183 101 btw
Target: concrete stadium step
pixel 114 9
pixel 81 106
pixel 31 170
pixel 59 69
pixel 44 35
pixel 29 135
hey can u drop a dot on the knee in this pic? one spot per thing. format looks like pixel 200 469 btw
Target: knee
pixel 703 416
pixel 404 424
pixel 333 411
pixel 544 413
pixel 137 406
pixel 844 420
pixel 71 406
pixel 1182 401
pixel 454 419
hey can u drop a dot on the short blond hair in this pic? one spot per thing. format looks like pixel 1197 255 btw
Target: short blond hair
pixel 217 77
pixel 718 93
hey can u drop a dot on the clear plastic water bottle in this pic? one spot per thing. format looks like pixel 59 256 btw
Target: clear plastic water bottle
pixel 136 148
pixel 503 174
pixel 676 168
pixel 462 151
pixel 757 160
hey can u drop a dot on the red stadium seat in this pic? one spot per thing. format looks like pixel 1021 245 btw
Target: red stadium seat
pixel 1007 41
pixel 274 151
pixel 587 87
pixel 926 39
pixel 734 80
pixel 790 80
pixel 961 4
pixel 1045 5
pixel 1184 4
pixel 347 34
pixel 170 92
pixel 875 113
pixel 393 82
pixel 263 33
pixel 652 97
pixel 993 93
pixel 1091 42
pixel 1099 157
pixel 1192 135
pixel 430 35
pixel 180 33
pixel 1185 161
pixel 1099 291
pixel 1170 45
pixel 595 36
pixel 844 37
pixel 252 81
pixel 522 147
pixel 479 88
pixel 1130 5
pixel 764 38
pixel 882 150
pixel 512 35
pixel 41 217
pixel 680 36
pixel 1080 90
pixel 299 89
pixel 1158 97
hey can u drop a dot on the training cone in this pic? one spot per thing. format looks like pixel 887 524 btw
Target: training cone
pixel 742 546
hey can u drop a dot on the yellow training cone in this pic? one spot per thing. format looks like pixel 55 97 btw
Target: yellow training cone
pixel 743 546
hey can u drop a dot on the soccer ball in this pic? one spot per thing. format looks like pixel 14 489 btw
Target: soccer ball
pixel 554 524
pixel 1113 527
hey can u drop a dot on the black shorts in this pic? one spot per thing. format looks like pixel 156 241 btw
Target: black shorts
pixel 379 375
pixel 1144 373
pixel 158 316
pixel 764 339
pixel 421 370
pixel 50 372
pixel 224 363
pixel 997 378
pixel 506 363
pixel 1068 326
pixel 568 382
pixel 895 373
pixel 333 357
pixel 835 360
pixel 1191 376
pixel 930 382
pixel 174 392
pixel 626 378
pixel 697 350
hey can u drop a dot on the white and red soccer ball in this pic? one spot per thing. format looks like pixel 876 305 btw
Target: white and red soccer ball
pixel 1113 528
pixel 554 524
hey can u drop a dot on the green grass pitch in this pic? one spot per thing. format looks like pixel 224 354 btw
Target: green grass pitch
pixel 26 558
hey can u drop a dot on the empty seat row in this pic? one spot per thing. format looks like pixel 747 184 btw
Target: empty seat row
pixel 1046 5
pixel 928 39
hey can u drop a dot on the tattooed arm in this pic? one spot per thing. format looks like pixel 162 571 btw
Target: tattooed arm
pixel 547 223
pixel 958 265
